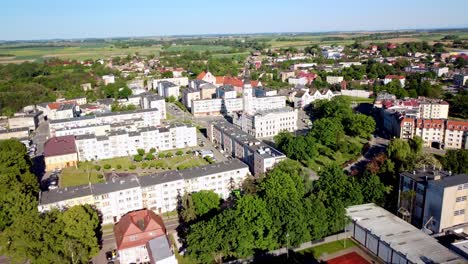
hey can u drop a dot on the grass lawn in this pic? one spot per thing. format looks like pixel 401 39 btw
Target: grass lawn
pixel 79 176
pixel 338 157
pixel 359 99
pixel 329 248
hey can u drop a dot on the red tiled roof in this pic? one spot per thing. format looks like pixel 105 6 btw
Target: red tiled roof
pixel 201 75
pixel 219 79
pixel 430 123
pixel 57 146
pixel 395 77
pixel 56 105
pixel 406 120
pixel 137 228
pixel 457 125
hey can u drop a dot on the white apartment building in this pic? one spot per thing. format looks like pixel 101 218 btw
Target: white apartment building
pixel 121 143
pixel 206 107
pixel 151 101
pixel 298 81
pixel 189 95
pixel 179 81
pixel 456 135
pixel 117 197
pixel 149 117
pixel 334 79
pixel 389 78
pixel 158 192
pixel 305 97
pixel 108 79
pixel 432 109
pixel 268 102
pixel 167 89
pixel 430 130
pixel 270 123
pixel 232 105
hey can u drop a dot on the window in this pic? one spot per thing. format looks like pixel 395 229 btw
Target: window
pixel 459 212
pixel 133 238
pixel 461 198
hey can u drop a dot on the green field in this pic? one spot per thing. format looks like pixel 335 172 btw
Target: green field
pixel 359 99
pixel 89 51
pixel 197 48
pixel 87 170
pixel 329 248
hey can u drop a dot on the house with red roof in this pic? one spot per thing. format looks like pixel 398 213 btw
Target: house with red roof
pixel 141 237
pixel 60 152
pixel 456 134
pixel 237 83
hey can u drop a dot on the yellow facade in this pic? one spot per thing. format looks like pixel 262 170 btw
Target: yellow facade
pixel 61 161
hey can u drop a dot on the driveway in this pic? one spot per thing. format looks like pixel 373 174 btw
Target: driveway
pixel 377 146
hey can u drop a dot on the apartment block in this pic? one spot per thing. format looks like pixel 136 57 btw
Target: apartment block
pixel 269 123
pixel 439 202
pixel 122 143
pixel 159 192
pixel 239 144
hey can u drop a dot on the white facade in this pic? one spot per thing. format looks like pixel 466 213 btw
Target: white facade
pixel 441 71
pixel 232 105
pixel 158 192
pixel 429 110
pixel 207 107
pixel 121 143
pixel 269 102
pixel 167 89
pixel 305 97
pixel 108 79
pixel 268 123
pixel 180 81
pixel 298 80
pixel 334 79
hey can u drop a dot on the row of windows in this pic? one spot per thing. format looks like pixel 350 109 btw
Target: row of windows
pixel 461 198
pixel 462 186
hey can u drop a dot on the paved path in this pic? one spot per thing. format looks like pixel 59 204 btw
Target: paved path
pixel 377 145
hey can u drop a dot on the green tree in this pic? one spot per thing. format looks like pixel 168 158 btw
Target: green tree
pixel 137 158
pixel 81 224
pixel 373 190
pixel 149 156
pixel 456 161
pixel 316 217
pixel 283 194
pixel 167 74
pixel 205 201
pixel 359 125
pixel 328 131
pixel 141 152
pixel 179 152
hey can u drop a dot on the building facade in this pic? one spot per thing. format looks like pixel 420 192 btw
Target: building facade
pixel 270 123
pixel 159 192
pixel 60 152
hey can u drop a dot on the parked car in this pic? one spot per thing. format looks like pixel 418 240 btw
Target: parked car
pixel 53 182
pixel 111 255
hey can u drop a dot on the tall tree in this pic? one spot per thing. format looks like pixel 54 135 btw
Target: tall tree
pixel 205 201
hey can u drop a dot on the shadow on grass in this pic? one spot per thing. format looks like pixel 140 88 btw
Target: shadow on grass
pixel 292 257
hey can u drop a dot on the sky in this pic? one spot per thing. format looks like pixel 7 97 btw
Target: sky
pixel 49 19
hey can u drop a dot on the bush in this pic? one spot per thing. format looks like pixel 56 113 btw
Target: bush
pixel 144 165
pixel 107 166
pixel 179 153
pixel 169 154
pixel 132 167
pixel 100 176
pixel 119 166
pixel 189 152
pixel 138 158
pixel 141 152
pixel 152 150
pixel 97 167
pixel 161 155
pixel 149 156
pixel 151 165
pixel 209 159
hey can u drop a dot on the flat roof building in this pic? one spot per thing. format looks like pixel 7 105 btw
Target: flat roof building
pixel 394 240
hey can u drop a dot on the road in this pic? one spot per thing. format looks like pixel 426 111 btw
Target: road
pixel 377 145
pixel 108 244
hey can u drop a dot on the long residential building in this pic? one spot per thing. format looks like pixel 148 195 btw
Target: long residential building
pixel 122 143
pixel 159 192
pixel 149 117
pixel 239 144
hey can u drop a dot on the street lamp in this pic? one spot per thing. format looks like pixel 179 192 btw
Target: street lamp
pixel 287 245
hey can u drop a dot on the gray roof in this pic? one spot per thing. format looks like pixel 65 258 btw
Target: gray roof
pixel 166 84
pixel 152 96
pixel 428 175
pixel 116 185
pixel 159 248
pixel 66 193
pixel 127 112
pixel 159 178
pixel 64 107
pixel 234 164
pixel 401 236
pixel 71 119
pixel 453 180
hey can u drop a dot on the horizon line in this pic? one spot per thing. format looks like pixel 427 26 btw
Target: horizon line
pixel 241 34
